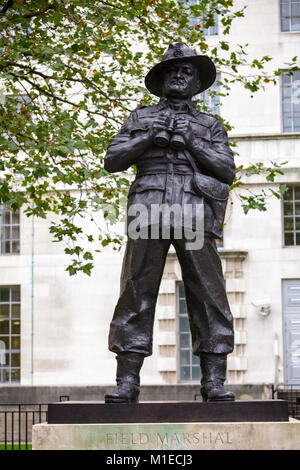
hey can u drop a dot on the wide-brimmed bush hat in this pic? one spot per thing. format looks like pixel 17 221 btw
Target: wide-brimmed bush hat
pixel 179 52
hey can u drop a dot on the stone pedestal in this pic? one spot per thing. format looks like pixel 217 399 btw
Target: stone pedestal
pixel 88 412
pixel 168 436
pixel 240 425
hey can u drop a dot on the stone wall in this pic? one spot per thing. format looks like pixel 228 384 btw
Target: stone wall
pixel 48 394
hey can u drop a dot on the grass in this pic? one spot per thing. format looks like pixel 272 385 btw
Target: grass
pixel 16 447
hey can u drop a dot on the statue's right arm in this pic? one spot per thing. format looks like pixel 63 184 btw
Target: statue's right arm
pixel 125 148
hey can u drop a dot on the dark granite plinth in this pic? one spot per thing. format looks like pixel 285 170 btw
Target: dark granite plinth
pixel 79 412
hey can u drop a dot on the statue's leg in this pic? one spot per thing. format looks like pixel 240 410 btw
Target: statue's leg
pixel 213 368
pixel 210 317
pixel 131 328
pixel 128 379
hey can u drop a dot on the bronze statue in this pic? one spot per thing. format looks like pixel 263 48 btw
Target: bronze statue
pixel 182 157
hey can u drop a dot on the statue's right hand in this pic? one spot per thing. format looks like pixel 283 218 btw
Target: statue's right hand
pixel 159 124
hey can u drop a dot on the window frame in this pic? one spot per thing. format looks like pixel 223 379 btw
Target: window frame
pixel 201 98
pixel 292 186
pixel 293 131
pixel 3 226
pixel 8 368
pixel 290 17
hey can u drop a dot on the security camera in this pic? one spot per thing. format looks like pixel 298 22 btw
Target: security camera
pixel 264 306
pixel 261 302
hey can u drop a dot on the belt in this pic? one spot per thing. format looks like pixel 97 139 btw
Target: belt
pixel 164 168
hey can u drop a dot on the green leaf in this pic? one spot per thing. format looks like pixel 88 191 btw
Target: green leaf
pixel 87 255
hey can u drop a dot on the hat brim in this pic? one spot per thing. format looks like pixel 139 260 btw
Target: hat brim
pixel 205 66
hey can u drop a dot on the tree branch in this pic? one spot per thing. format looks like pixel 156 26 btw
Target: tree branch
pixel 83 80
pixel 37 72
pixel 40 12
pixel 141 19
pixel 45 92
pixel 8 4
pixel 58 98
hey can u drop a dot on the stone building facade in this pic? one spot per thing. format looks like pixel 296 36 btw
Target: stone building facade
pixel 53 328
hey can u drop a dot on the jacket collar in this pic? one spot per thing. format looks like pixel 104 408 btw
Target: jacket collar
pixel 190 105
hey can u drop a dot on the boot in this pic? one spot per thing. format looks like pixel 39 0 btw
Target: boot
pixel 128 379
pixel 213 367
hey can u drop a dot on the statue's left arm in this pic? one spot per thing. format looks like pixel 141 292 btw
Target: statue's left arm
pixel 131 142
pixel 124 149
pixel 215 157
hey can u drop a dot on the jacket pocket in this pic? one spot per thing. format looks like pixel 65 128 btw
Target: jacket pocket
pixel 148 183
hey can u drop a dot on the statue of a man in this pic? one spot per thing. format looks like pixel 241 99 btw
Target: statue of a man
pixel 174 146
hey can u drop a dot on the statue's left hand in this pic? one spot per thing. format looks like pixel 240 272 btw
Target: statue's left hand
pixel 184 128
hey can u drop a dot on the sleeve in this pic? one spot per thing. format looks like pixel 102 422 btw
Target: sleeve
pixel 216 157
pixel 114 159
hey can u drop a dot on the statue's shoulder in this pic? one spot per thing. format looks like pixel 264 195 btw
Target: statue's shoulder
pixel 144 110
pixel 205 118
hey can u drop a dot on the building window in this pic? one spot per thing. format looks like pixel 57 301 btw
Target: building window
pixel 212 30
pixel 291 102
pixel 209 101
pixel 188 363
pixel 290 15
pixel 291 216
pixel 199 20
pixel 10 334
pixel 9 230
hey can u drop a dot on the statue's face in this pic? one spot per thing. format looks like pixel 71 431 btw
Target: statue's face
pixel 180 80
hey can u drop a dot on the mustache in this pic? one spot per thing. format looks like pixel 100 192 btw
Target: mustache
pixel 181 81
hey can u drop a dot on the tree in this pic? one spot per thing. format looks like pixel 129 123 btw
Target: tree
pixel 71 71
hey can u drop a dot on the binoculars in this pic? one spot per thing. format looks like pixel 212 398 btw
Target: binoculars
pixel 166 137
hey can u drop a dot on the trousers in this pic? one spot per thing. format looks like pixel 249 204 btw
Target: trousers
pixel 210 318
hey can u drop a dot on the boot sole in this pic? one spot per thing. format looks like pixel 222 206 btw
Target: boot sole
pixel 220 399
pixel 206 398
pixel 119 401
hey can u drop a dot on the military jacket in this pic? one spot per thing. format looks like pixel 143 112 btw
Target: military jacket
pixel 164 175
